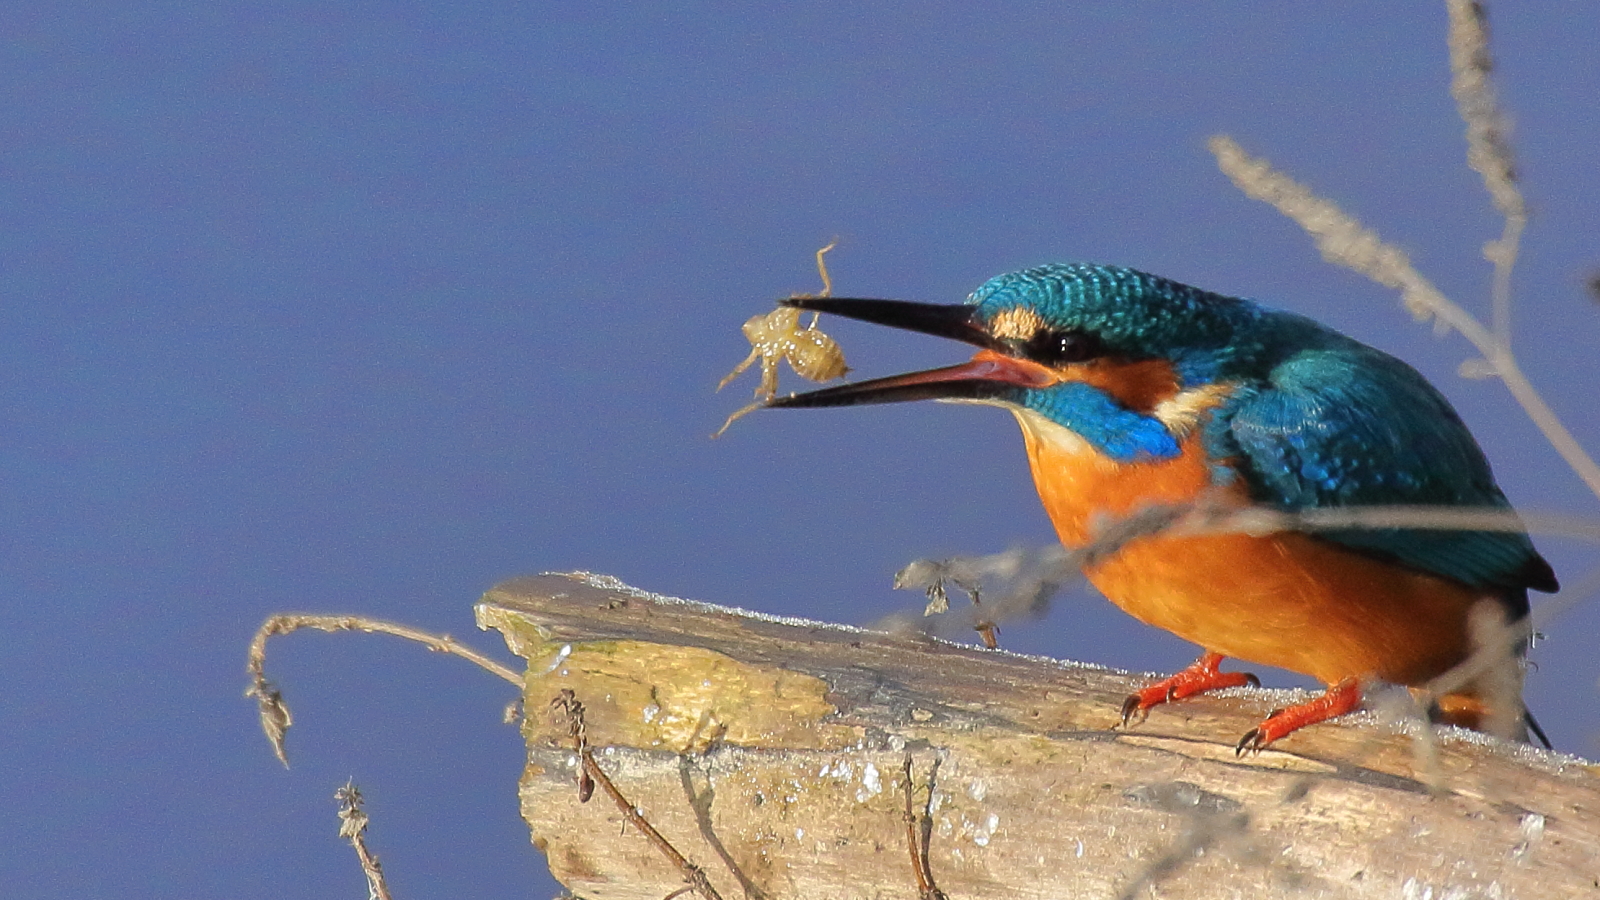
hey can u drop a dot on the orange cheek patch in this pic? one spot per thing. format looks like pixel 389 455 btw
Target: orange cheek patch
pixel 1140 386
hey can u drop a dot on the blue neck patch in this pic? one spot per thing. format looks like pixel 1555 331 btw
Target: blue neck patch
pixel 1114 430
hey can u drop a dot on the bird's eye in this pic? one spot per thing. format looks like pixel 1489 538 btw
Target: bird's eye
pixel 1057 348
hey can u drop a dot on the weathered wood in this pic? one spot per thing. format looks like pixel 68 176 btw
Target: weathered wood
pixel 770 752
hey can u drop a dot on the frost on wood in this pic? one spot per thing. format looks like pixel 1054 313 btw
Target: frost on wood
pixel 771 753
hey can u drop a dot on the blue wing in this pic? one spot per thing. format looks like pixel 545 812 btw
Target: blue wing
pixel 1348 425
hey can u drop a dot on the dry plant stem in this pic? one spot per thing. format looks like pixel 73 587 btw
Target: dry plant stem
pixel 1496 647
pixel 1344 241
pixel 1486 655
pixel 1488 152
pixel 567 705
pixel 275 717
pixel 919 834
pixel 1025 587
pixel 1493 651
pixel 353 827
pixel 1203 518
pixel 913 845
pixel 1260 520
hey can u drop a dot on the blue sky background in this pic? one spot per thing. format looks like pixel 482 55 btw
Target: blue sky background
pixel 367 307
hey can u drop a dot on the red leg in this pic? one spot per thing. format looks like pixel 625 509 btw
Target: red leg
pixel 1339 699
pixel 1200 676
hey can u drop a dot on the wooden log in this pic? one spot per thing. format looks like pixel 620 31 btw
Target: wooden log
pixel 772 753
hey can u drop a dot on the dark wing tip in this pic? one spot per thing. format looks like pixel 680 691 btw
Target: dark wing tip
pixel 1537 574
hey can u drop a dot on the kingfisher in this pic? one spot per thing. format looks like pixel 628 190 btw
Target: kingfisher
pixel 1134 391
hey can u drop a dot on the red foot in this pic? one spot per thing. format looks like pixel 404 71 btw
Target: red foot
pixel 1200 676
pixel 1340 698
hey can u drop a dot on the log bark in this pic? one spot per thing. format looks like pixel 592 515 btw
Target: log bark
pixel 772 752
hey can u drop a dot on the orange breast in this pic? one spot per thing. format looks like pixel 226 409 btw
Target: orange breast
pixel 1286 600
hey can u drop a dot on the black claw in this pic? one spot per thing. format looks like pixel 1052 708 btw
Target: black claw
pixel 1129 707
pixel 1248 742
pixel 1252 680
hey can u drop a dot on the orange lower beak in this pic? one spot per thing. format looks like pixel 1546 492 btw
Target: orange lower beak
pixel 987 376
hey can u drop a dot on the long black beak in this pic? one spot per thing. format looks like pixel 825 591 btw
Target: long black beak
pixel 957 321
pixel 991 373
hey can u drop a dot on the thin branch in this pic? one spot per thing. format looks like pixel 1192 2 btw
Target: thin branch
pixel 353 827
pixel 1495 664
pixel 919 832
pixel 1022 583
pixel 566 708
pixel 1489 650
pixel 1345 241
pixel 1426 518
pixel 1496 653
pixel 1488 151
pixel 275 716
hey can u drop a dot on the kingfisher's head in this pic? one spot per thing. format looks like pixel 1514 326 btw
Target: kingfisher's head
pixel 1119 358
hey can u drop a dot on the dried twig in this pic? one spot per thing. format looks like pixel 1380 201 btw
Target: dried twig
pixel 567 709
pixel 1022 583
pixel 919 832
pixel 1344 241
pixel 353 827
pixel 1494 667
pixel 1488 152
pixel 1495 639
pixel 275 716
